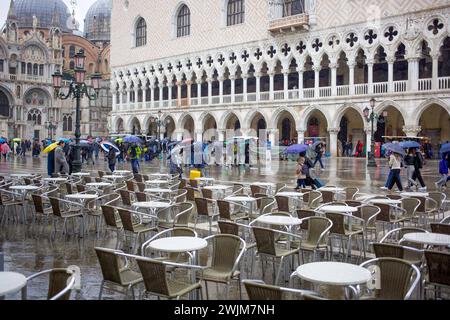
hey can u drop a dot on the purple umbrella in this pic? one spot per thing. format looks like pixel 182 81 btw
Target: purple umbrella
pixel 296 149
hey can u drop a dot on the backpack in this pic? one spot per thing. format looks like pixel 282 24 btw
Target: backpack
pixel 133 153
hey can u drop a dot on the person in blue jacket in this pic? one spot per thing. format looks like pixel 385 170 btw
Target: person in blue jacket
pixel 51 163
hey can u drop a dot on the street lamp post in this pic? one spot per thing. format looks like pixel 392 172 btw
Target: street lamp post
pixel 77 90
pixel 50 129
pixel 373 118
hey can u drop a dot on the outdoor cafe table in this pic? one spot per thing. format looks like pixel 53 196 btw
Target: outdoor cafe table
pixel 220 189
pixel 24 189
pixel 159 191
pixel 21 175
pixel 279 221
pixel 160 175
pixel 333 273
pixel 55 180
pixel 122 172
pixel 338 209
pixel 415 194
pixel 297 197
pixel 336 190
pixel 249 200
pixel 113 177
pixel 206 180
pixel 82 198
pixel 385 201
pixel 267 185
pixel 81 174
pixel 180 245
pixel 151 205
pixel 98 184
pixel 157 182
pixel 433 239
pixel 11 282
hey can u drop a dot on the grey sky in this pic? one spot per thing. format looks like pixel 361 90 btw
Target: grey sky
pixel 80 10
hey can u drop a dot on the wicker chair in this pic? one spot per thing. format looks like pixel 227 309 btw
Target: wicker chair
pixel 238 189
pixel 126 197
pixel 65 210
pixel 314 198
pixel 369 214
pixel 157 283
pixel 80 187
pixel 389 250
pixel 40 208
pixel 283 203
pixel 226 212
pixel 131 186
pixel 410 205
pixel 69 188
pixel 428 207
pixel 191 194
pixel 133 229
pixel 268 248
pixel 327 196
pixel 439 198
pixel 394 196
pixel 203 210
pixel 395 236
pixel 280 187
pixel 258 290
pixel 206 193
pixel 141 196
pixel 61 281
pixel 303 214
pixel 316 238
pixel 256 189
pixel 264 205
pixel 140 186
pixel 193 183
pixel 398 278
pixel 350 193
pixel 180 196
pixel 112 221
pixel 227 251
pixel 438 272
pixel 116 272
pixel 353 203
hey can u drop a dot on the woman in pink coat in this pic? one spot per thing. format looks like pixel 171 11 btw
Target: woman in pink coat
pixel 5 149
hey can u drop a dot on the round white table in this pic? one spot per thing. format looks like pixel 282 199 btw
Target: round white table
pixel 338 209
pixel 157 190
pixel 178 244
pixel 122 172
pixel 81 174
pixel 81 196
pixel 415 194
pixel 11 282
pixel 219 189
pixel 151 205
pixel 24 188
pixel 249 200
pixel 55 179
pixel 206 179
pixel 279 220
pixel 434 239
pixel 98 184
pixel 21 175
pixel 385 201
pixel 160 175
pixel 157 182
pixel 333 273
pixel 290 194
pixel 113 177
pixel 332 189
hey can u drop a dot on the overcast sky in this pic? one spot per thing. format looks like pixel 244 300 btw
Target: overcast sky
pixel 80 10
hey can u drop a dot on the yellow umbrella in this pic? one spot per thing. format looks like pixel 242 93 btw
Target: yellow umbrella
pixel 17 140
pixel 50 147
pixel 119 140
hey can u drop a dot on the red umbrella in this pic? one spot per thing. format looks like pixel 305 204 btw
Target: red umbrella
pixel 187 140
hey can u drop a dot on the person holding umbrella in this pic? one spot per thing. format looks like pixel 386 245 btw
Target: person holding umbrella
pixel 60 159
pixel 112 159
pixel 134 153
pixel 395 163
pixel 409 165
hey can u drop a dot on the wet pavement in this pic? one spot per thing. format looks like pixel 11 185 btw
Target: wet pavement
pixel 30 249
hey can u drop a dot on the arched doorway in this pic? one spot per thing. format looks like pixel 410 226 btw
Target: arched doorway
pixel 391 124
pixel 232 126
pixel 286 128
pixel 209 128
pixel 4 105
pixel 188 127
pixel 152 129
pixel 435 125
pixel 316 127
pixel 258 126
pixel 351 131
pixel 169 128
pixel 119 125
pixel 135 127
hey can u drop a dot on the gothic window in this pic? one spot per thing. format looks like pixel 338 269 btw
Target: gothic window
pixel 35 69
pixel 72 65
pixel 29 69
pixel 34 115
pixel 313 122
pixel 69 123
pixel 23 68
pixel 64 123
pixel 235 12
pixel 4 105
pixel 141 33
pixel 41 70
pixel 72 51
pixel 1 65
pixel 183 22
pixel 293 7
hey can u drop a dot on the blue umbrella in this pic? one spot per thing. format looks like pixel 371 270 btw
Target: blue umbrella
pixel 296 148
pixel 445 148
pixel 396 148
pixel 108 145
pixel 65 140
pixel 409 144
pixel 2 140
pixel 132 139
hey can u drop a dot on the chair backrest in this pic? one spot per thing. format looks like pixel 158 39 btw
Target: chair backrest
pixel 410 205
pixel 27 181
pixel 202 206
pixel 438 263
pixel 87 179
pixel 190 196
pixel 397 234
pixel 267 204
pixel 317 227
pixel 353 203
pixel 183 184
pixel 265 240
pixel 101 173
pixel 80 187
pixel 226 248
pixel 338 222
pixel 238 188
pixel 440 228
pixel 305 213
pixel 154 275
pixel 439 197
pixel 394 196
pixel 38 204
pixel 422 205
pixel 185 213
pixel 262 291
pixel 314 199
pixel 368 213
pixel 280 186
pixel 110 264
pixel 282 203
pixel 54 202
pixel 350 192
pixel 130 185
pixel 125 195
pixel 141 196
pixel 57 282
pixel 183 232
pixel 256 189
pixel 109 214
pixel 193 183
pixel 395 278
pixel 385 212
pixel 141 186
pixel 224 209
pixel 327 196
pixel 69 189
pixel 127 219
pixel 228 227
pixel 206 193
pixel 388 250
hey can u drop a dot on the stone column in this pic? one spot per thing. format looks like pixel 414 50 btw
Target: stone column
pixel 244 87
pixel 179 84
pixel 413 74
pixel 333 140
pixel 189 91
pixel 120 100
pixel 271 86
pixel 144 95
pixel 209 91
pixel 351 78
pixel 434 81
pixel 412 131
pixel 199 91
pixel 286 85
pixel 300 136
pixel 333 67
pixel 300 83
pixel 233 88
pixel 368 132
pixel 258 85
pixel 128 98
pixel 114 101
pixel 220 89
pixel 317 81
pixel 198 135
pixel 161 87
pixel 370 77
pixel 152 95
pixel 390 61
pixel 169 94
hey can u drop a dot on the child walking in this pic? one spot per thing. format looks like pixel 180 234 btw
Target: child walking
pixel 301 175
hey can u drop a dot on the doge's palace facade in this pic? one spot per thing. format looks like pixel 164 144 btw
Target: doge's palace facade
pixel 281 69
